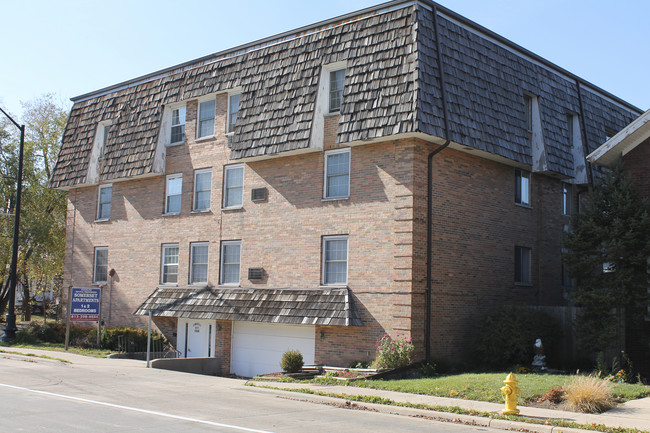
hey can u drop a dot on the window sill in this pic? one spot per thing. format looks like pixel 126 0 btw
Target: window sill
pixel 523 284
pixel 230 134
pixel 525 206
pixel 206 138
pixel 199 284
pixel 234 208
pixel 103 221
pixel 229 285
pixel 333 113
pixel 178 143
pixel 335 198
pixel 334 286
pixel 169 284
pixel 202 211
pixel 171 214
pixel 99 283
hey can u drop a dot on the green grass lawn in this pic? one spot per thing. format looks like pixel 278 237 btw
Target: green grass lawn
pixel 486 386
pixel 59 348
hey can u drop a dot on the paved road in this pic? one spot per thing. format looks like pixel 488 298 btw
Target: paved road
pixel 90 395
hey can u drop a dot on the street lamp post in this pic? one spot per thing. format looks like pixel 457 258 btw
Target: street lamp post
pixel 10 325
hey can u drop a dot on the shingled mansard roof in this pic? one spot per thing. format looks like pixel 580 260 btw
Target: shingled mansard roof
pixel 391 89
pixel 302 307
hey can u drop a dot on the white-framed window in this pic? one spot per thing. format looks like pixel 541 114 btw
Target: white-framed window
pixel 169 269
pixel 522 187
pixel 173 193
pixel 199 263
pixel 103 132
pixel 104 198
pixel 567 198
pixel 178 125
pixel 335 260
pixel 230 262
pixel 336 80
pixel 202 189
pixel 337 174
pixel 522 265
pixel 233 186
pixel 205 121
pixel 100 271
pixel 233 111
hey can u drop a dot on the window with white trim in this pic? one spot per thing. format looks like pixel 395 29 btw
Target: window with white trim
pixel 522 265
pixel 567 198
pixel 230 262
pixel 199 263
pixel 205 121
pixel 335 260
pixel 173 193
pixel 178 125
pixel 337 174
pixel 233 111
pixel 522 187
pixel 528 109
pixel 337 78
pixel 169 271
pixel 233 186
pixel 104 198
pixel 100 273
pixel 202 189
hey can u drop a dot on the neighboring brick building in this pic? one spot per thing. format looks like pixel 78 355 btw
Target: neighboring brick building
pixel 276 195
pixel 632 145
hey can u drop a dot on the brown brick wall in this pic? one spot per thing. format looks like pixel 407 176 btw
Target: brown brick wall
pixel 476 227
pixel 637 163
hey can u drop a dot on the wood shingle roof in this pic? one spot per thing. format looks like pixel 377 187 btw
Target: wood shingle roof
pixel 392 86
pixel 333 307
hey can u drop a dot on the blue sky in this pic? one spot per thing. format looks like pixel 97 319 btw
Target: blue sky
pixel 72 47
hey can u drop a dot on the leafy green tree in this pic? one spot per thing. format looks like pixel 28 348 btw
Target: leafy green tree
pixel 607 252
pixel 42 226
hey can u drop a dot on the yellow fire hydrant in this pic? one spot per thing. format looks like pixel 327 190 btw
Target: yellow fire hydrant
pixel 510 392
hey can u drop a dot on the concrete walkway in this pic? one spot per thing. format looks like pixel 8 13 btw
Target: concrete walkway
pixel 633 414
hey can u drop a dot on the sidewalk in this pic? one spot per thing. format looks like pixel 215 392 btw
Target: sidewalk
pixel 633 414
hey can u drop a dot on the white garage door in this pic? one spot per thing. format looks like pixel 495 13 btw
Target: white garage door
pixel 257 348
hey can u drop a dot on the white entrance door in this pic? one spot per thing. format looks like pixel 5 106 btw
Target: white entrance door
pixel 257 348
pixel 195 338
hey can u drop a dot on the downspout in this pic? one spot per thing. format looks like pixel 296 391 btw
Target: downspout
pixel 445 112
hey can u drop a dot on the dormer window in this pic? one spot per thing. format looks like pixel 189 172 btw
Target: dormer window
pixel 178 125
pixel 337 78
pixel 233 111
pixel 205 126
pixel 528 102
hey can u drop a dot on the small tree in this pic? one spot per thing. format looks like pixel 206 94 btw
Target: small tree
pixel 607 252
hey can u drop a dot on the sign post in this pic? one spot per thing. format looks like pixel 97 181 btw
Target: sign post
pixel 85 306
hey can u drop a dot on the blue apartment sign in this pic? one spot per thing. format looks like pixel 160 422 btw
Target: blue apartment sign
pixel 85 304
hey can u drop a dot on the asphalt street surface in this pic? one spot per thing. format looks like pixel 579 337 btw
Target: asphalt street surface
pixel 110 395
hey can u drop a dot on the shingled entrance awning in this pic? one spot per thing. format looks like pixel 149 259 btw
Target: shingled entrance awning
pixel 295 306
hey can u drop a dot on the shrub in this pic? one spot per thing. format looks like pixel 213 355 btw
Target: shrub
pixel 506 336
pixel 429 369
pixel 133 338
pixel 358 364
pixel 589 394
pixel 393 353
pixel 554 395
pixel 292 361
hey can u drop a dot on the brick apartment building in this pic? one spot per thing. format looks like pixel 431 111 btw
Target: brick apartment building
pixel 289 193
